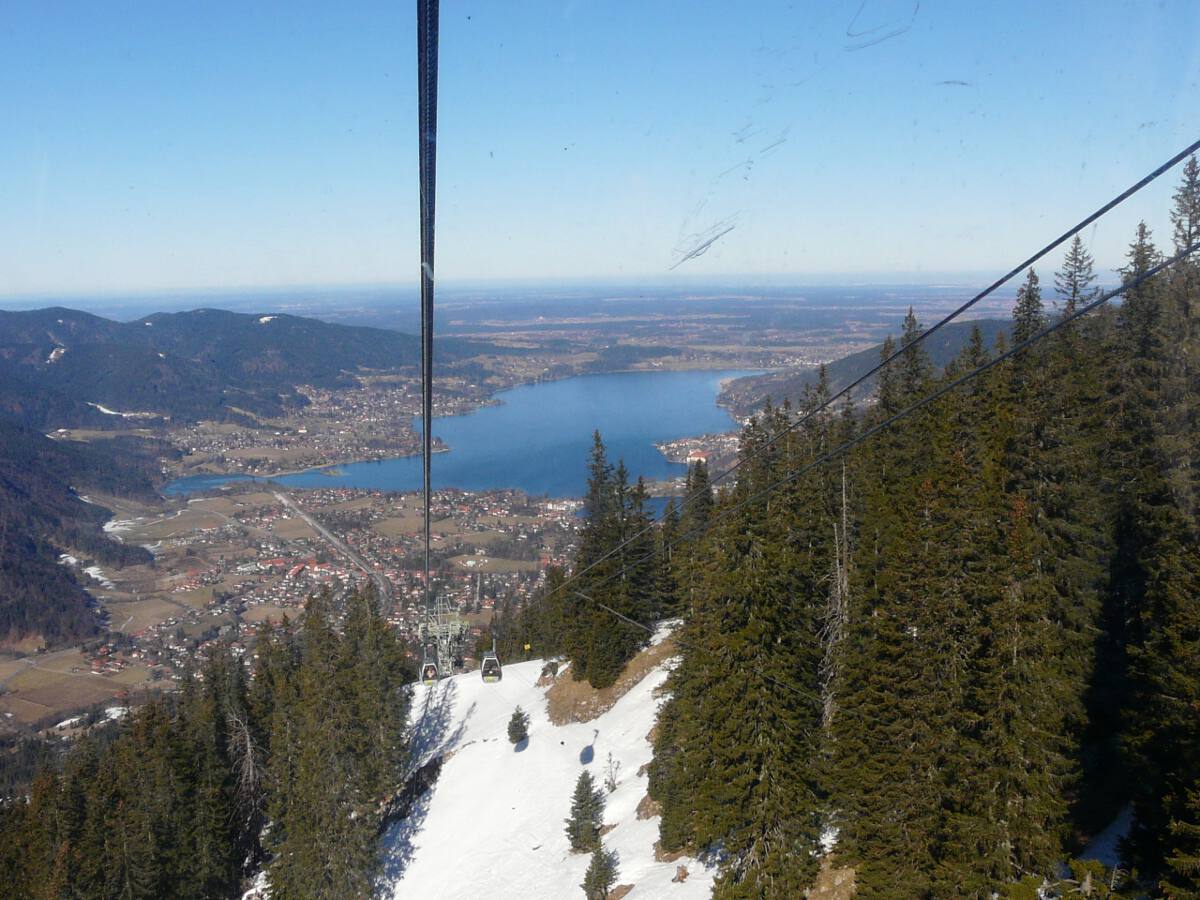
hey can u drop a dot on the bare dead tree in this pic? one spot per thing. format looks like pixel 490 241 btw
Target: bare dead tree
pixel 248 768
pixel 837 603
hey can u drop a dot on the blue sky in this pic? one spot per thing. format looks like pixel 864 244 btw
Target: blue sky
pixel 159 145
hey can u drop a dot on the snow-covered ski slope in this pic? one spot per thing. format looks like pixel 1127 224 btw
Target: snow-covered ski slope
pixel 492 825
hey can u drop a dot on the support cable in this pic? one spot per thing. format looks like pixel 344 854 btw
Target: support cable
pixel 893 419
pixel 990 289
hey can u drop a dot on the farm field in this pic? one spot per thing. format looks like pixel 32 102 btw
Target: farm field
pixel 182 522
pixel 487 564
pixel 480 538
pixel 60 683
pixel 294 528
pixel 129 616
pixel 399 526
pixel 198 598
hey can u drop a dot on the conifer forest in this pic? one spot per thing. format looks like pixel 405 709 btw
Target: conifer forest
pixel 288 764
pixel 958 648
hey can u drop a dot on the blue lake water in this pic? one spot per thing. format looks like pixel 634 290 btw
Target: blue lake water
pixel 539 438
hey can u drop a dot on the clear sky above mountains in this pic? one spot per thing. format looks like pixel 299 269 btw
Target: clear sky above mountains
pixel 168 145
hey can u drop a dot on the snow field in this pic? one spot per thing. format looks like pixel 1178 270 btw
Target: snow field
pixel 493 824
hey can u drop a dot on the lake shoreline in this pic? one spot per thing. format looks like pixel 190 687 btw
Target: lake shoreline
pixel 537 438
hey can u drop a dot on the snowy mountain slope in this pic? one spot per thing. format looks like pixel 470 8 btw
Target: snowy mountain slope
pixel 492 825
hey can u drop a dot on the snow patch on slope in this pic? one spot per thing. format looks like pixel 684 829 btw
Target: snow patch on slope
pixel 97 574
pixel 1106 846
pixel 123 415
pixel 263 320
pixel 492 824
pixel 115 527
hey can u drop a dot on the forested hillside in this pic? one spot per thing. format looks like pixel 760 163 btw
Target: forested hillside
pixel 41 516
pixel 205 363
pixel 956 651
pixel 173 803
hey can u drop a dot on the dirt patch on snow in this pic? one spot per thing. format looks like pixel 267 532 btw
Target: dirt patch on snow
pixel 577 701
pixel 550 673
pixel 648 808
pixel 619 891
pixel 662 855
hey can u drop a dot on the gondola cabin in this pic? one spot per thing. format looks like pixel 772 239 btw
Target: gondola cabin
pixel 490 667
pixel 429 668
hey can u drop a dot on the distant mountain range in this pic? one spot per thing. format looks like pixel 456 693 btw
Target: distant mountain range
pixel 62 367
pixel 744 396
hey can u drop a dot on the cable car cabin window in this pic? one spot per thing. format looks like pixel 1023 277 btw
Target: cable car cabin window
pixel 787 351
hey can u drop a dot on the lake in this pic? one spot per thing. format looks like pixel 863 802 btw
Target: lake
pixel 539 438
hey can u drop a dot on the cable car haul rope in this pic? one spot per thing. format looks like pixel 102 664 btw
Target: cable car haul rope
pixel 433 663
pixel 443 631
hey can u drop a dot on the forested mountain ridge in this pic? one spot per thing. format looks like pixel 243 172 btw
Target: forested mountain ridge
pixel 41 516
pixel 959 650
pixel 745 396
pixel 204 363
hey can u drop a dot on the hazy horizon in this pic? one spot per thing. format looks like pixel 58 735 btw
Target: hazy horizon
pixel 162 149
pixel 466 290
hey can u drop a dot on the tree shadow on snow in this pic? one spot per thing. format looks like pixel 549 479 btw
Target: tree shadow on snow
pixel 588 753
pixel 430 738
pixel 520 746
pixel 430 734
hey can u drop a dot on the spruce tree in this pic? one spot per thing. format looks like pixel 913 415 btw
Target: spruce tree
pixel 915 369
pixel 616 568
pixel 886 388
pixel 601 874
pixel 1029 315
pixel 587 815
pixel 666 585
pixel 1140 310
pixel 1074 282
pixel 1185 212
pixel 518 726
pixel 1182 877
pixel 694 516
